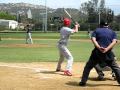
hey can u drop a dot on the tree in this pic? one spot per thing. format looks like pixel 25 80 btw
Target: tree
pixel 6 15
pixel 93 9
pixel 90 9
pixel 117 18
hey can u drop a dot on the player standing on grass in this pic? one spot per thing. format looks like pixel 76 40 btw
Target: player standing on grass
pixel 28 36
pixel 65 33
pixel 104 40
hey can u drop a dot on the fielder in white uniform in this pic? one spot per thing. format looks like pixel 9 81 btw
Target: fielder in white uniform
pixel 65 33
pixel 28 36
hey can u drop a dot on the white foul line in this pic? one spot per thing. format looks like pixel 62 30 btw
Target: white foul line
pixel 37 70
pixel 22 67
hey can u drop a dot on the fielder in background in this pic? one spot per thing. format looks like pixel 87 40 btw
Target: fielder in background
pixel 65 33
pixel 104 39
pixel 28 36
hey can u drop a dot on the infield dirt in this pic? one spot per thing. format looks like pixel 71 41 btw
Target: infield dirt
pixel 42 76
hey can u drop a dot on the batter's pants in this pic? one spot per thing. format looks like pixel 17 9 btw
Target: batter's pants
pixel 65 53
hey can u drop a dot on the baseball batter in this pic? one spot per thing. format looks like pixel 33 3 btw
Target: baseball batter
pixel 65 33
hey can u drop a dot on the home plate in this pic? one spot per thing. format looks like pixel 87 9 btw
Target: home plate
pixel 46 77
pixel 38 70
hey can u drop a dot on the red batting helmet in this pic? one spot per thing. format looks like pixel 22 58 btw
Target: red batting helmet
pixel 67 22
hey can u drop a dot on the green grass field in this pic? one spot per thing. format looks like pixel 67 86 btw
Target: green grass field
pixel 41 35
pixel 46 51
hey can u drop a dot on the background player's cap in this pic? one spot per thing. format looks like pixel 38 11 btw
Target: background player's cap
pixel 67 22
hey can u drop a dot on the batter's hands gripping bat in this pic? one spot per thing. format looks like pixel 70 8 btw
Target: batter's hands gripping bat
pixel 69 16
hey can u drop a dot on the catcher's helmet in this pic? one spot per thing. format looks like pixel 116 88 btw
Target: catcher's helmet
pixel 67 22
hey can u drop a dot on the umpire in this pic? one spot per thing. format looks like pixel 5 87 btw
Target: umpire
pixel 104 39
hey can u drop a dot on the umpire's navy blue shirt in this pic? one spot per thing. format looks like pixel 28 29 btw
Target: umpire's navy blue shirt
pixel 104 36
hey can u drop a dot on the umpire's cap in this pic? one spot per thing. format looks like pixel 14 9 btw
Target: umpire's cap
pixel 103 23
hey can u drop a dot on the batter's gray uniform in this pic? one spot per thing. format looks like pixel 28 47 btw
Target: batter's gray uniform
pixel 65 33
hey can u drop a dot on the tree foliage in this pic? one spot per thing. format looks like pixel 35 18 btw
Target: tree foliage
pixel 95 9
pixel 6 15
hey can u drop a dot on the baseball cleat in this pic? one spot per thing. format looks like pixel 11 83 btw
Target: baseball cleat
pixel 100 78
pixel 59 70
pixel 67 73
pixel 113 75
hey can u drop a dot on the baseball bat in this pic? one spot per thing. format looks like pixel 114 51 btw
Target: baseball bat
pixel 69 15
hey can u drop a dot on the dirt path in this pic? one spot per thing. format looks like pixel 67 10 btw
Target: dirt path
pixel 42 76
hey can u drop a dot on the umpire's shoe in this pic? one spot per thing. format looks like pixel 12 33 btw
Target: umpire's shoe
pixel 82 84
